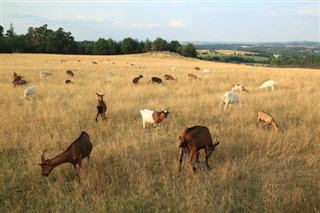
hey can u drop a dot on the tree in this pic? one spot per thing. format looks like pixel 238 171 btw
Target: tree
pixel 1 31
pixel 10 31
pixel 159 45
pixel 187 50
pixel 128 46
pixel 173 46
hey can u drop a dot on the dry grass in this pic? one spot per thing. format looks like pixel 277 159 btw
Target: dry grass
pixel 136 170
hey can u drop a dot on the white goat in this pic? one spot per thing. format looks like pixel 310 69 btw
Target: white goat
pixel 45 74
pixel 29 91
pixel 153 116
pixel 267 84
pixel 230 98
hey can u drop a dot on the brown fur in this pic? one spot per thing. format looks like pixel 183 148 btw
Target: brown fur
pixel 20 82
pixel 268 120
pixel 136 79
pixel 192 140
pixel 70 73
pixel 101 107
pixel 168 77
pixel 68 82
pixel 78 149
pixel 192 77
pixel 159 116
pixel 155 80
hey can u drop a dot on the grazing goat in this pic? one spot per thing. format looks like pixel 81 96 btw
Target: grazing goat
pixel 68 81
pixel 206 71
pixel 196 68
pixel 155 80
pixel 153 116
pixel 70 73
pixel 29 91
pixel 268 120
pixel 101 107
pixel 45 74
pixel 136 79
pixel 230 98
pixel 169 77
pixel 20 82
pixel 192 140
pixel 239 87
pixel 78 149
pixel 192 77
pixel 267 84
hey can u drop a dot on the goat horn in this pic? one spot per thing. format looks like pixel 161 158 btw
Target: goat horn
pixel 42 156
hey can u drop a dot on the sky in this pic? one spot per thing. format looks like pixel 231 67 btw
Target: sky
pixel 184 21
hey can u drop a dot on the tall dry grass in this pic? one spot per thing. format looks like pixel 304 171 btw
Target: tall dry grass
pixel 136 170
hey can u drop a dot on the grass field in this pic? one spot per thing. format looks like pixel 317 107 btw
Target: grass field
pixel 136 170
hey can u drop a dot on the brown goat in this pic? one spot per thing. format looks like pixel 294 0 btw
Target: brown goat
pixel 268 120
pixel 193 140
pixel 192 77
pixel 78 149
pixel 136 79
pixel 68 81
pixel 169 77
pixel 101 107
pixel 70 73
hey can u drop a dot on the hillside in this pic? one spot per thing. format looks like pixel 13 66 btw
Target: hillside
pixel 132 169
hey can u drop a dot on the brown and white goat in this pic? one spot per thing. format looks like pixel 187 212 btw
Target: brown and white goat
pixel 239 87
pixel 136 79
pixel 268 120
pixel 153 116
pixel 192 140
pixel 78 149
pixel 101 107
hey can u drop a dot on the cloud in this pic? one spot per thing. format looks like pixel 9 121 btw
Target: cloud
pixel 176 24
pixel 309 11
pixel 89 18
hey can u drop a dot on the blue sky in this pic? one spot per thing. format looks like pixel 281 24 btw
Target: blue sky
pixel 216 21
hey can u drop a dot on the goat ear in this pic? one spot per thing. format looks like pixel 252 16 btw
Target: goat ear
pixel 216 144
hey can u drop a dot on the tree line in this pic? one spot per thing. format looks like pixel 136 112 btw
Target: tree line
pixel 44 40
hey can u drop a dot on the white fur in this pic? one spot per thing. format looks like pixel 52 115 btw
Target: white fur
pixel 267 84
pixel 229 98
pixel 45 74
pixel 29 91
pixel 147 117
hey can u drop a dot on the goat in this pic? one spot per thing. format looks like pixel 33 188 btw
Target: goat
pixel 45 74
pixel 77 150
pixel 70 73
pixel 155 80
pixel 173 68
pixel 136 79
pixel 19 82
pixel 239 87
pixel 268 120
pixel 230 98
pixel 101 107
pixel 29 91
pixel 192 77
pixel 153 116
pixel 193 140
pixel 196 68
pixel 206 70
pixel 169 77
pixel 17 78
pixel 68 81
pixel 266 84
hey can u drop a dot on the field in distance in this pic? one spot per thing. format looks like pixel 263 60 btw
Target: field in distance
pixel 132 169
